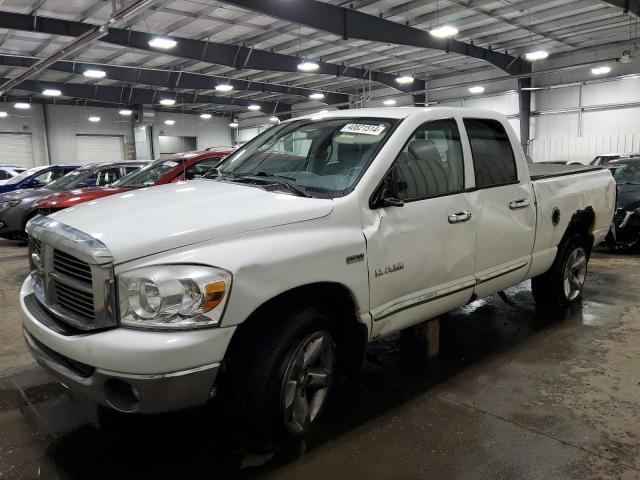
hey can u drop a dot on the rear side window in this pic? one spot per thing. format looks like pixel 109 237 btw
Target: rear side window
pixel 493 160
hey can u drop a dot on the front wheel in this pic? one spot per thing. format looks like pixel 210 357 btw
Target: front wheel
pixel 278 380
pixel 562 284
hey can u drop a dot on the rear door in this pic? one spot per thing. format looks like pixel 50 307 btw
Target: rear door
pixel 504 205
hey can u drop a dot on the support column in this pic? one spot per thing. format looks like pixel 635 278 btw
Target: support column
pixel 525 112
pixel 419 98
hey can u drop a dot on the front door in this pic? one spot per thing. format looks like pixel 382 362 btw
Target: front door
pixel 505 208
pixel 421 256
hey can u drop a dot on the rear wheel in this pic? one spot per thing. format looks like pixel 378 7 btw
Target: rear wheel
pixel 279 377
pixel 562 284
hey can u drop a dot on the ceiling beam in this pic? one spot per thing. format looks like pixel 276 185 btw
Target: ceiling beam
pixel 141 96
pixel 170 78
pixel 348 23
pixel 236 56
pixel 627 6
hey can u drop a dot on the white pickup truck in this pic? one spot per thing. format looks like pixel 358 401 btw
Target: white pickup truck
pixel 260 282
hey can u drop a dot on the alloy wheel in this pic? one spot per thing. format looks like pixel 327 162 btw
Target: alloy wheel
pixel 306 382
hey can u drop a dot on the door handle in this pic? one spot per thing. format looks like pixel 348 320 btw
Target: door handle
pixel 460 217
pixel 522 203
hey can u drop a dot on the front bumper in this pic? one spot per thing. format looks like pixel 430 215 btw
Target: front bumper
pixel 124 369
pixel 11 220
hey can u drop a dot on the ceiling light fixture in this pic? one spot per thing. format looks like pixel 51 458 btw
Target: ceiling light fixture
pixel 390 102
pixel 51 92
pixel 162 43
pixel 233 125
pixel 94 119
pixel 205 116
pixel 476 90
pixel 602 70
pixel 94 73
pixel 254 108
pixel 169 122
pixel 224 88
pixel 445 31
pixel 308 66
pixel 404 80
pixel 4 114
pixel 274 119
pixel 22 106
pixel 168 102
pixel 316 96
pixel 537 55
pixel 125 112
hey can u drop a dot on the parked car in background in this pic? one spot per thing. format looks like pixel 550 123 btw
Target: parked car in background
pixel 18 207
pixel 36 177
pixel 9 171
pixel 176 168
pixel 264 280
pixel 603 160
pixel 625 232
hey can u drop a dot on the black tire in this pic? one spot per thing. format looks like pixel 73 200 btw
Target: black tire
pixel 550 289
pixel 253 389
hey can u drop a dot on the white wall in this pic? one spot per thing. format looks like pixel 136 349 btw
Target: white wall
pixel 27 121
pixel 578 122
pixel 210 133
pixel 67 121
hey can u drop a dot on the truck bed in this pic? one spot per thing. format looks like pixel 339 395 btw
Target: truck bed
pixel 548 170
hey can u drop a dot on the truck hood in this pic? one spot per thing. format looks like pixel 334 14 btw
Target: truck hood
pixel 71 198
pixel 152 220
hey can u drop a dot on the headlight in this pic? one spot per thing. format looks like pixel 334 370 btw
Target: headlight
pixel 173 296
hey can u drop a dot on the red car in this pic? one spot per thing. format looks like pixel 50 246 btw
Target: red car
pixel 176 168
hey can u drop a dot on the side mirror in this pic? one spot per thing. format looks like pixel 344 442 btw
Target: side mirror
pixel 385 197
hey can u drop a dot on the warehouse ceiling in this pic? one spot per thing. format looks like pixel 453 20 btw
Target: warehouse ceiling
pixel 233 42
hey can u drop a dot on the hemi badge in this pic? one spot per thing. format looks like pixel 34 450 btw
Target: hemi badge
pixel 355 258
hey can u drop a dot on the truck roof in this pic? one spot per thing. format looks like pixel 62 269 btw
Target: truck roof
pixel 401 112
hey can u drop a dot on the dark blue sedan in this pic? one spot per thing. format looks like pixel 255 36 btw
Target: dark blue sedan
pixel 36 177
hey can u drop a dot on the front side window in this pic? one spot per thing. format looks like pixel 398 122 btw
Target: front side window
pixel 493 160
pixel 323 157
pixel 107 176
pixel 49 176
pixel 431 162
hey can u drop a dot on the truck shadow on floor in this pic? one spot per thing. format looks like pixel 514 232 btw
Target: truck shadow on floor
pixel 193 445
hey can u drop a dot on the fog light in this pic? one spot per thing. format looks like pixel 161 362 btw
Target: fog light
pixel 121 396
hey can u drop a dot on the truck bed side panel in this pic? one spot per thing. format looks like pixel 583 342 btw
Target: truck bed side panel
pixel 570 194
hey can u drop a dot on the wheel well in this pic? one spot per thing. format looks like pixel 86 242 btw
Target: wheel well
pixel 341 308
pixel 582 223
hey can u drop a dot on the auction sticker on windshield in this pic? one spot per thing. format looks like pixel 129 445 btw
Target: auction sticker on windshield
pixel 363 128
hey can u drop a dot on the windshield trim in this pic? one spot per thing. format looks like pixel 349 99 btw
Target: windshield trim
pixel 317 192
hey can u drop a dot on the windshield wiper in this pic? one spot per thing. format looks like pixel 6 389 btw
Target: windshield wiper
pixel 281 179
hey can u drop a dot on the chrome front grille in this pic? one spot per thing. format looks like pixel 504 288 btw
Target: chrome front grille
pixel 72 275
pixel 68 265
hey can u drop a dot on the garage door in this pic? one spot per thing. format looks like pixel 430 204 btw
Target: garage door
pixel 99 148
pixel 16 149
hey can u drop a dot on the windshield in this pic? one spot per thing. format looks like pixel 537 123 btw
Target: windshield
pixel 317 156
pixel 148 175
pixel 626 174
pixel 23 175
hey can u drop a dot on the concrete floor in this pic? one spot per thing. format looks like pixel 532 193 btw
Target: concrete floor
pixel 515 394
